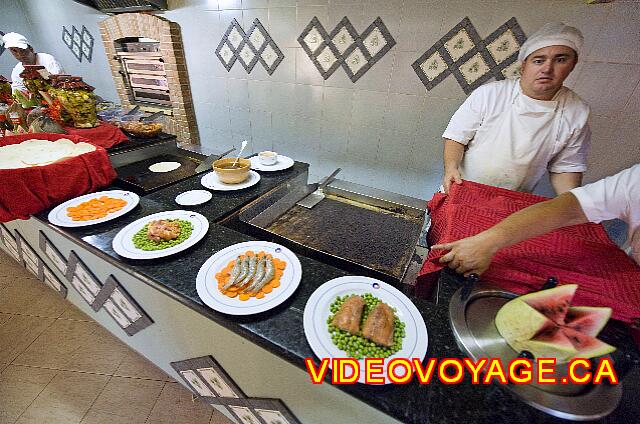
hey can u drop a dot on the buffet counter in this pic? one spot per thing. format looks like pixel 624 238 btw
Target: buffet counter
pixel 264 354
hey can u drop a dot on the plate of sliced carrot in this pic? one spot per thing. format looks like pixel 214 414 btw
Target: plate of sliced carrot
pixel 93 208
pixel 249 278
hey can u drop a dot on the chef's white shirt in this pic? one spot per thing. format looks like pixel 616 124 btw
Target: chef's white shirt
pixel 564 149
pixel 43 59
pixel 617 196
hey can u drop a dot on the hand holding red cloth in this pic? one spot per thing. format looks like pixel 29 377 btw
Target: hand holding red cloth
pixel 104 135
pixel 581 254
pixel 27 191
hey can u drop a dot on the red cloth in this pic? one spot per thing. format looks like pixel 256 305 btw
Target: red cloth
pixel 27 191
pixel 104 135
pixel 581 254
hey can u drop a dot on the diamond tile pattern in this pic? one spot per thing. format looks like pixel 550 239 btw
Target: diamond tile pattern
pixel 249 48
pixel 79 42
pixel 472 60
pixel 344 47
pixel 2 49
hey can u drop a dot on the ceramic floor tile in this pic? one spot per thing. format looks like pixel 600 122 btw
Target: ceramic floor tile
pixel 129 398
pixel 135 365
pixel 55 346
pixel 99 417
pixel 176 405
pixel 19 387
pixel 218 418
pixel 27 296
pixel 74 313
pixel 18 332
pixel 66 399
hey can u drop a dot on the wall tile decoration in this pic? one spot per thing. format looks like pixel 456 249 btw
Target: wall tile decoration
pixel 10 242
pixel 209 381
pixel 472 60
pixel 30 259
pixel 52 252
pixel 2 49
pixel 249 48
pixel 84 281
pixel 344 47
pixel 122 307
pixel 79 42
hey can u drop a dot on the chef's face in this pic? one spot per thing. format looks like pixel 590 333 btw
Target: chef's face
pixel 544 71
pixel 26 56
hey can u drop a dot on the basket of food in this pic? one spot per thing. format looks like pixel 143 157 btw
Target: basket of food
pixel 140 127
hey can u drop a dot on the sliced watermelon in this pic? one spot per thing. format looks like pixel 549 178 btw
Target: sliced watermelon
pixel 586 346
pixel 552 303
pixel 589 320
pixel 545 324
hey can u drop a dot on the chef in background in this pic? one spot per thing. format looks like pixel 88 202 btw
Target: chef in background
pixel 20 48
pixel 509 133
pixel 617 196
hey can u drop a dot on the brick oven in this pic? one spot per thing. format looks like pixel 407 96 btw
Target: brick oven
pixel 148 65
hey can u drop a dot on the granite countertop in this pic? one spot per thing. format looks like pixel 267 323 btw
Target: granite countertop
pixel 280 330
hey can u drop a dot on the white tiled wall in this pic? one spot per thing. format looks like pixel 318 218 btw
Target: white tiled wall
pixel 385 129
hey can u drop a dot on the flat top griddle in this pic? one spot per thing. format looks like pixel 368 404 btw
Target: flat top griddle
pixel 137 177
pixel 362 234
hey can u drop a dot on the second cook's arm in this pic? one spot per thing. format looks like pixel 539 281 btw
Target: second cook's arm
pixel 473 255
pixel 453 153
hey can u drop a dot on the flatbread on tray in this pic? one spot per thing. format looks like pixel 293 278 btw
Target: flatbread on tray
pixel 40 152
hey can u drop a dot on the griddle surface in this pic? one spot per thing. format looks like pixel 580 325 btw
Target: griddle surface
pixel 138 178
pixel 359 233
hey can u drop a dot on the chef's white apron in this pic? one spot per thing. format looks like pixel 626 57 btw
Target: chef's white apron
pixel 508 153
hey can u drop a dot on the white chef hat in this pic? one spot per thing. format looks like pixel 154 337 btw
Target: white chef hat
pixel 13 39
pixel 552 34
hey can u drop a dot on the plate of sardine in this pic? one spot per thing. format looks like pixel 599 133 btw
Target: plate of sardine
pixel 248 278
pixel 361 317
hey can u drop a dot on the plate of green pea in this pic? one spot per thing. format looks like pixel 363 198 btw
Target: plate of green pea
pixel 410 338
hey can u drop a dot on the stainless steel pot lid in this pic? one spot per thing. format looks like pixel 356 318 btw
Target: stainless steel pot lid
pixel 472 314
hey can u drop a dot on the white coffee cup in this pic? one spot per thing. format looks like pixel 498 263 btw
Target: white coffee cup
pixel 268 158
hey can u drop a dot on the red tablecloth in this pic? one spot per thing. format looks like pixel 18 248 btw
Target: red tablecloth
pixel 27 191
pixel 104 135
pixel 581 254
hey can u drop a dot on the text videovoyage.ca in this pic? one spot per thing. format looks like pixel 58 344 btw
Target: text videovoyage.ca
pixel 453 371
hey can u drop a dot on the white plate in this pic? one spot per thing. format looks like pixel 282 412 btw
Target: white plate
pixel 317 311
pixel 193 197
pixel 58 216
pixel 284 162
pixel 212 182
pixel 207 285
pixel 123 241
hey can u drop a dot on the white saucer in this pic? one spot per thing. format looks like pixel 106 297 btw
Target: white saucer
pixel 212 182
pixel 193 197
pixel 283 162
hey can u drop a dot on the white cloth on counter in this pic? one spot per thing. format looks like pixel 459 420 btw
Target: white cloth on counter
pixel 617 196
pixel 43 59
pixel 513 139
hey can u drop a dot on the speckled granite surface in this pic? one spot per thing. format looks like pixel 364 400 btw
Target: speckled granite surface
pixel 281 329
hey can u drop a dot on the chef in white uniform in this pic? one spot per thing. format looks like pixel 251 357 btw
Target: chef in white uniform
pixel 617 196
pixel 20 48
pixel 509 133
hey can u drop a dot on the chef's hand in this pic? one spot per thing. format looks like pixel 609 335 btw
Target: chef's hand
pixel 471 255
pixel 635 245
pixel 451 176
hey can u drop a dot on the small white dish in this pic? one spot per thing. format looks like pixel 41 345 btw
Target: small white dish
pixel 268 158
pixel 281 164
pixel 193 197
pixel 211 181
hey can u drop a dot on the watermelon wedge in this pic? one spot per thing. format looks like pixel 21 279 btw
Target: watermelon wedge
pixel 545 324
